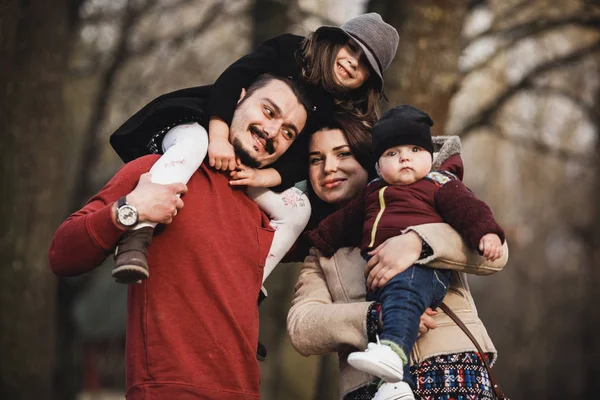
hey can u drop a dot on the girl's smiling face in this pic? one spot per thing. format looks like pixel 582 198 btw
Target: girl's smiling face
pixel 350 68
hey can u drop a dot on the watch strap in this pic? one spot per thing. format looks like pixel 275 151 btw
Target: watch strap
pixel 121 202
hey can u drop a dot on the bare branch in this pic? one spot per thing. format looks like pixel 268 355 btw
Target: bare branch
pixel 484 117
pixel 528 30
pixel 210 19
pixel 512 12
pixel 92 67
pixel 105 17
pixel 304 14
pixel 543 148
pixel 590 111
pixel 540 25
pixel 92 137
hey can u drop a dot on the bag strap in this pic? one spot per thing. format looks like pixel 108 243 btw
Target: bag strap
pixel 495 386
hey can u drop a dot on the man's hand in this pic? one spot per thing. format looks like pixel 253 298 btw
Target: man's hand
pixel 221 155
pixel 155 202
pixel 246 176
pixel 490 246
pixel 392 257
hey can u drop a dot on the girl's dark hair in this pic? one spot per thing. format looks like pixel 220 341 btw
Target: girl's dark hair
pixel 359 140
pixel 317 58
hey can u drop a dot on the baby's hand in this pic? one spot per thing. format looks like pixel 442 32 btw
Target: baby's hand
pixel 221 155
pixel 490 246
pixel 246 176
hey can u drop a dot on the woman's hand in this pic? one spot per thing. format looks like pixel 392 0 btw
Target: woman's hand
pixel 425 325
pixel 427 322
pixel 392 257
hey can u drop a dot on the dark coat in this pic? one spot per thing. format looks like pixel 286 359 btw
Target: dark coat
pixel 143 132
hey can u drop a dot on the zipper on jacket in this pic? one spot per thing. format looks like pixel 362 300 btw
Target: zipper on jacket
pixel 381 210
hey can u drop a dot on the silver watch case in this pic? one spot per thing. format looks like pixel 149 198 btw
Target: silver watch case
pixel 127 215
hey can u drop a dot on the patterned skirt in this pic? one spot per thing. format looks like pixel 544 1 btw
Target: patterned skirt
pixel 460 376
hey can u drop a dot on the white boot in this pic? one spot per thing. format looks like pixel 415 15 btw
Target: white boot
pixel 394 391
pixel 379 360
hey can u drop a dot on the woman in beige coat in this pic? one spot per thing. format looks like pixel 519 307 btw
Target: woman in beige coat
pixel 329 312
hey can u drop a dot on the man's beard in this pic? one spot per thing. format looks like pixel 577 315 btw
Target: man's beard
pixel 243 154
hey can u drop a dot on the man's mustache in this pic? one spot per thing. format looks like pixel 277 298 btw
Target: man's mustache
pixel 261 134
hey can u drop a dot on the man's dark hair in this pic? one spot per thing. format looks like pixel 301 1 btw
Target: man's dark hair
pixel 298 90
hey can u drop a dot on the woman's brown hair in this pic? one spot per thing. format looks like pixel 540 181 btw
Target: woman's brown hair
pixel 317 58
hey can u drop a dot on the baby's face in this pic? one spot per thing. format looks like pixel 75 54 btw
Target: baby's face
pixel 405 164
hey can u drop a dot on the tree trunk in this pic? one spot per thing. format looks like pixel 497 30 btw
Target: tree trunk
pixel 270 18
pixel 425 70
pixel 591 315
pixel 34 49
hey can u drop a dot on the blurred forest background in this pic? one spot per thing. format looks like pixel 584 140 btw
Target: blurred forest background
pixel 518 80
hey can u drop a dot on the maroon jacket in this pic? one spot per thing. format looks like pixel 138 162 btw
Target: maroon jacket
pixel 423 202
pixel 192 327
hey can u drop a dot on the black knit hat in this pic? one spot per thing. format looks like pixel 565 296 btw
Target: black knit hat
pixel 402 125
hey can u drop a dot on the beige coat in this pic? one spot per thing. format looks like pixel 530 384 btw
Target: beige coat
pixel 329 311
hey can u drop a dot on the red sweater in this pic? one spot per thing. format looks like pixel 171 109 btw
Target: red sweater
pixel 384 211
pixel 192 327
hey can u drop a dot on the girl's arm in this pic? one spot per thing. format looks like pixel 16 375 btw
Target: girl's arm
pixel 220 151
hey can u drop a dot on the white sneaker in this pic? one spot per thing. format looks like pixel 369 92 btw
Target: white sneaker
pixel 379 360
pixel 394 391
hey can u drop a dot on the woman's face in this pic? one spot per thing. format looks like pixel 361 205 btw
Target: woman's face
pixel 335 175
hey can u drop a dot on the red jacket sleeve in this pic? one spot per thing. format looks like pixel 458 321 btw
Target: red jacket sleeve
pixel 87 236
pixel 468 215
pixel 454 165
pixel 343 228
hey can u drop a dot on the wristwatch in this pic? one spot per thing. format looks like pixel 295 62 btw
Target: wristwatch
pixel 127 215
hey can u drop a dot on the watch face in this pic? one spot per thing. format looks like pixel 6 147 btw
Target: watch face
pixel 127 215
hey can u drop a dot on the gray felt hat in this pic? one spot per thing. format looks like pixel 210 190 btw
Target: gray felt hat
pixel 378 39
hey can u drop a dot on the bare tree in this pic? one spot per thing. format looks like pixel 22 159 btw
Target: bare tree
pixel 591 315
pixel 34 141
pixel 528 103
pixel 425 70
